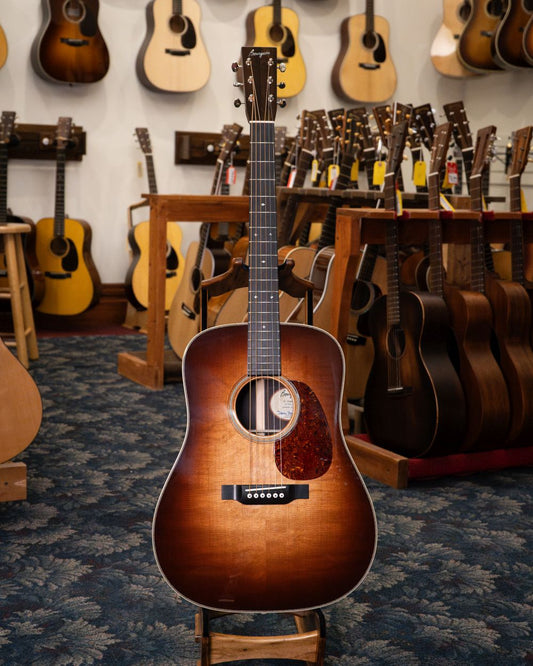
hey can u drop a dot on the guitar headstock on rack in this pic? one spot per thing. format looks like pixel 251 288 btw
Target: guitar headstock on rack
pixel 64 131
pixel 424 121
pixel 521 142
pixel 456 114
pixel 7 124
pixel 143 137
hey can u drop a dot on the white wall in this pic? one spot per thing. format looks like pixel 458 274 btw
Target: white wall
pixel 100 188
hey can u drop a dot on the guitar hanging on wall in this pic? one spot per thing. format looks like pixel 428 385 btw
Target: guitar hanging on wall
pixel 3 47
pixel 277 26
pixel 264 491
pixel 63 245
pixel 69 47
pixel 136 282
pixel 173 57
pixel 364 70
pixel 443 51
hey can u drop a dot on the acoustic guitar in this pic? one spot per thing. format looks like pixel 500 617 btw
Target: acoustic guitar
pixel 277 26
pixel 69 47
pixel 508 48
pixel 444 55
pixel 33 271
pixel 364 70
pixel 63 248
pixel 475 43
pixel 263 492
pixel 527 40
pixel 21 409
pixel 3 47
pixel 173 57
pixel 184 314
pixel 136 281
pixel 410 402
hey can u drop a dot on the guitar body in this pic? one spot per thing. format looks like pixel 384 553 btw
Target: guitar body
pixel 69 47
pixel 3 47
pixel 507 43
pixel 173 57
pixel 362 72
pixel 475 42
pixel 527 41
pixel 486 394
pixel 21 408
pixel 184 314
pixel 260 31
pixel 427 416
pixel 303 258
pixel 72 283
pixel 512 324
pixel 444 46
pixel 137 276
pixel 263 556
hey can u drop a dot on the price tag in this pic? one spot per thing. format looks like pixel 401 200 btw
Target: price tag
pixel 523 204
pixel 354 174
pixel 452 174
pixel 231 175
pixel 333 174
pixel 399 202
pixel 314 170
pixel 419 173
pixel 378 176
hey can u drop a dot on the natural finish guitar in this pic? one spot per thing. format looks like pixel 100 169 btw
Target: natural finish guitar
pixel 364 70
pixel 63 248
pixel 69 47
pixel 21 409
pixel 444 55
pixel 136 281
pixel 173 57
pixel 264 509
pixel 277 26
pixel 3 47
pixel 475 42
pixel 508 48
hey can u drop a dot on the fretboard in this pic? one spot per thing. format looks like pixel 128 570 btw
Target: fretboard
pixel 59 215
pixel 3 183
pixel 369 27
pixel 152 185
pixel 263 298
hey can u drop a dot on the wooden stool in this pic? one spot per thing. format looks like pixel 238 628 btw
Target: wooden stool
pixel 18 291
pixel 307 645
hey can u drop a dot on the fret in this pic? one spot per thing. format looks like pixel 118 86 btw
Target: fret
pixel 59 214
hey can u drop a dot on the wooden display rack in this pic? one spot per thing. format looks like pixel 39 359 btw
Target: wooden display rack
pixel 149 368
pixel 357 227
pixel 13 481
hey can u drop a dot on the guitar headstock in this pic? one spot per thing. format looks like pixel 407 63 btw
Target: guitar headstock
pixel 456 114
pixel 64 130
pixel 483 150
pixel 324 134
pixel 230 135
pixel 520 150
pixel 397 139
pixel 280 138
pixel 424 120
pixel 360 116
pixel 143 137
pixel 439 150
pixel 6 126
pixel 259 65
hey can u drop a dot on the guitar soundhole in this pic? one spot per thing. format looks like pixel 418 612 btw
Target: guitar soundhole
pixel 276 33
pixel 370 40
pixel 196 279
pixel 74 11
pixel 464 11
pixel 360 296
pixel 264 407
pixel 395 342
pixel 59 246
pixel 495 8
pixel 172 258
pixel 178 23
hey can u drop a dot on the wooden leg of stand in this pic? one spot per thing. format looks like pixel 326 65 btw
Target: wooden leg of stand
pixel 13 484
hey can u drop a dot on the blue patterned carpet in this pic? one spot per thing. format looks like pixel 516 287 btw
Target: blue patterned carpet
pixel 451 583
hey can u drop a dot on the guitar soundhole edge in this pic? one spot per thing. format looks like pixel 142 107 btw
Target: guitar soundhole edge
pixel 74 11
pixel 395 342
pixel 177 23
pixel 59 246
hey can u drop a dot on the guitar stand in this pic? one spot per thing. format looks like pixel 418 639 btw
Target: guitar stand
pixel 307 645
pixel 237 276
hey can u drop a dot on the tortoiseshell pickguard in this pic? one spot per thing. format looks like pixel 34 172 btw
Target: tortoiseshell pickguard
pixel 306 452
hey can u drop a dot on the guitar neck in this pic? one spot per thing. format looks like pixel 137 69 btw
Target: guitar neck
pixel 478 250
pixel 3 183
pixel 369 16
pixel 59 214
pixel 393 274
pixel 263 322
pixel 327 235
pixel 276 12
pixel 150 170
pixel 517 238
pixel 177 7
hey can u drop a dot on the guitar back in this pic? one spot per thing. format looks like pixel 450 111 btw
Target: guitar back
pixel 173 57
pixel 365 74
pixel 69 47
pixel 21 408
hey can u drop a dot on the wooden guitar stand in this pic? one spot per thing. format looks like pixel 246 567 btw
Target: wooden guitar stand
pixel 308 644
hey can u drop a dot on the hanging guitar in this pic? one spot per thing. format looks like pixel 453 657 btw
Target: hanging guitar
pixel 264 491
pixel 63 248
pixel 277 26
pixel 527 39
pixel 173 57
pixel 136 281
pixel 364 70
pixel 508 48
pixel 69 47
pixel 33 271
pixel 443 52
pixel 475 43
pixel 184 314
pixel 3 47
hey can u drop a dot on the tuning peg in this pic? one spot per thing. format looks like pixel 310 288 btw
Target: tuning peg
pixel 282 103
pixel 282 66
pixel 281 85
pixel 235 66
pixel 238 84
pixel 237 103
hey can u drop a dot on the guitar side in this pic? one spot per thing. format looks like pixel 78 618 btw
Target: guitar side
pixel 70 51
pixel 3 47
pixel 361 73
pixel 444 46
pixel 173 57
pixel 264 557
pixel 258 26
pixel 72 283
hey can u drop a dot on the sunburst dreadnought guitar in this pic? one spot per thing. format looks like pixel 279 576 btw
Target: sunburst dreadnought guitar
pixel 475 43
pixel 508 48
pixel 364 69
pixel 173 57
pixel 264 509
pixel 69 47
pixel 63 248
pixel 139 239
pixel 274 25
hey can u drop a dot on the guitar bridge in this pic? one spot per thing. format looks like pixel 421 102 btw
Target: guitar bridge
pixel 170 274
pixel 74 42
pixel 369 65
pixel 177 52
pixel 265 494
pixel 187 311
pixel 58 276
